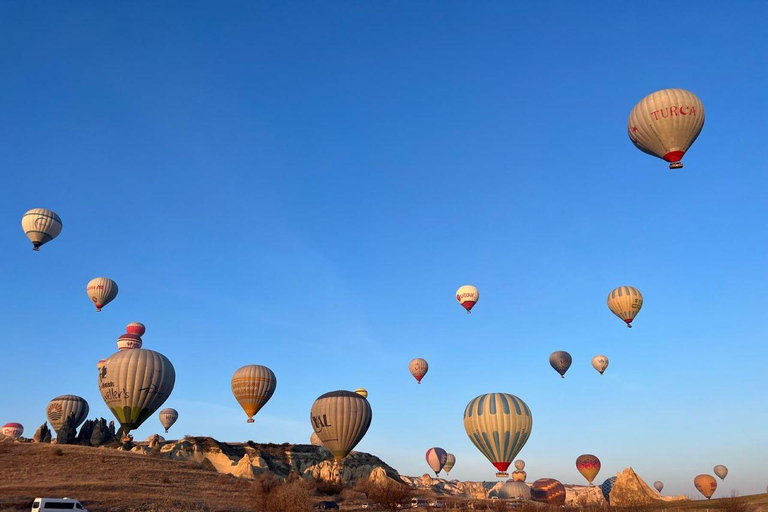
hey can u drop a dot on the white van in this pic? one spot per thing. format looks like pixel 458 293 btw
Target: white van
pixel 43 504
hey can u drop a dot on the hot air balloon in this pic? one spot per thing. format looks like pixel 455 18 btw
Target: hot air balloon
pixel 589 466
pixel 314 440
pixel 362 392
pixel 136 328
pixel 600 363
pixel 102 291
pixel 436 458
pixel 41 226
pixel 625 302
pixel 467 296
pixel 665 124
pixel 513 490
pixel 706 485
pixel 64 406
pixel 499 425
pixel 151 438
pixel 253 385
pixel 340 419
pixel 520 464
pixel 100 364
pixel 449 463
pixel 560 361
pixel 129 341
pixel 134 384
pixel 168 417
pixel 606 488
pixel 658 485
pixel 418 368
pixel 519 475
pixel 721 471
pixel 13 430
pixel 549 491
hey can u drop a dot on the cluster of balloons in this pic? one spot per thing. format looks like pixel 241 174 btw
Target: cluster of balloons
pixel 706 484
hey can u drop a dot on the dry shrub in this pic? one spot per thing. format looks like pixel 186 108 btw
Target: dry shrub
pixel 292 496
pixel 387 494
pixel 57 452
pixel 326 488
pixel 734 503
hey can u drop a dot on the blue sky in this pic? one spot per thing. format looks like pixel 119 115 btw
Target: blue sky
pixel 304 185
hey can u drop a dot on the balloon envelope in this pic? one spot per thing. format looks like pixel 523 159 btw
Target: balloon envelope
pixel 362 392
pixel 520 464
pixel 600 363
pixel 519 475
pixel 706 485
pixel 721 471
pixel 658 485
pixel 101 291
pixel 560 361
pixel 606 488
pixel 136 328
pixel 134 384
pixel 467 296
pixel 168 417
pixel 513 490
pixel 666 123
pixel 61 407
pixel 449 463
pixel 549 491
pixel 625 302
pixel 13 430
pixel 436 459
pixel 41 226
pixel 253 385
pixel 340 419
pixel 418 368
pixel 589 466
pixel 129 341
pixel 499 425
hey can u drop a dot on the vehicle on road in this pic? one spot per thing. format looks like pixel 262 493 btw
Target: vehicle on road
pixel 44 504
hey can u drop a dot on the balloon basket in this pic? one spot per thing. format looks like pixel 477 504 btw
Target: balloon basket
pixel 502 474
pixel 676 165
pixel 250 420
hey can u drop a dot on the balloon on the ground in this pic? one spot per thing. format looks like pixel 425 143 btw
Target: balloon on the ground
pixel 362 392
pixel 498 424
pixel 625 302
pixel 589 466
pixel 41 226
pixel 134 384
pixel 13 430
pixel 658 485
pixel 666 123
pixel 101 291
pixel 706 485
pixel 129 341
pixel 449 463
pixel 600 363
pixel 418 368
pixel 168 417
pixel 436 459
pixel 560 360
pixel 549 491
pixel 340 419
pixel 512 490
pixel 606 488
pixel 520 464
pixel 721 471
pixel 519 475
pixel 467 296
pixel 136 328
pixel 64 406
pixel 253 385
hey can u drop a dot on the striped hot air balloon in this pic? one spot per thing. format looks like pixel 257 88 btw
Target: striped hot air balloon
pixel 721 471
pixel 658 485
pixel 134 384
pixel 625 302
pixel 253 385
pixel 340 419
pixel 589 466
pixel 136 328
pixel 41 226
pixel 418 368
pixel 499 425
pixel 168 417
pixel 101 291
pixel 606 488
pixel 549 491
pixel 519 475
pixel 129 341
pixel 449 463
pixel 64 406
pixel 467 296
pixel 600 363
pixel 13 430
pixel 560 361
pixel 706 485
pixel 513 490
pixel 666 123
pixel 436 459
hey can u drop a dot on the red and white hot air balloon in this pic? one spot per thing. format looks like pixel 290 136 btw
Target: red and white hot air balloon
pixel 101 291
pixel 467 296
pixel 129 341
pixel 665 124
pixel 13 430
pixel 418 368
pixel 136 328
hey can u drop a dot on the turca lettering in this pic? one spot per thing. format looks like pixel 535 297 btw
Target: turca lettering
pixel 672 111
pixel 320 422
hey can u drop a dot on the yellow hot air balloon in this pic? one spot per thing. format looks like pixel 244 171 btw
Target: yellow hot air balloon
pixel 449 463
pixel 706 485
pixel 41 226
pixel 467 296
pixel 665 124
pixel 102 291
pixel 499 425
pixel 134 384
pixel 340 419
pixel 362 392
pixel 625 302
pixel 253 385
pixel 589 466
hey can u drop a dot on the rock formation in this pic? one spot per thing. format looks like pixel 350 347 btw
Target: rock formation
pixel 42 434
pixel 86 430
pixel 631 490
pixel 68 431
pixel 102 434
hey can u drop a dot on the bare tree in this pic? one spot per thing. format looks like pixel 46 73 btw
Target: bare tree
pixel 388 494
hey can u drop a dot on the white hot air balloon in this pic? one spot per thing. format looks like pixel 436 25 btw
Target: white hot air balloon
pixel 41 226
pixel 101 291
pixel 600 363
pixel 665 124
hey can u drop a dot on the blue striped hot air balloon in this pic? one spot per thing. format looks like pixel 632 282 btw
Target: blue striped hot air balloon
pixel 606 487
pixel 499 425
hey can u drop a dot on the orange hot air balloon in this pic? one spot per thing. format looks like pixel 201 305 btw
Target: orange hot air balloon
pixel 418 368
pixel 588 466
pixel 549 491
pixel 706 485
pixel 519 475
